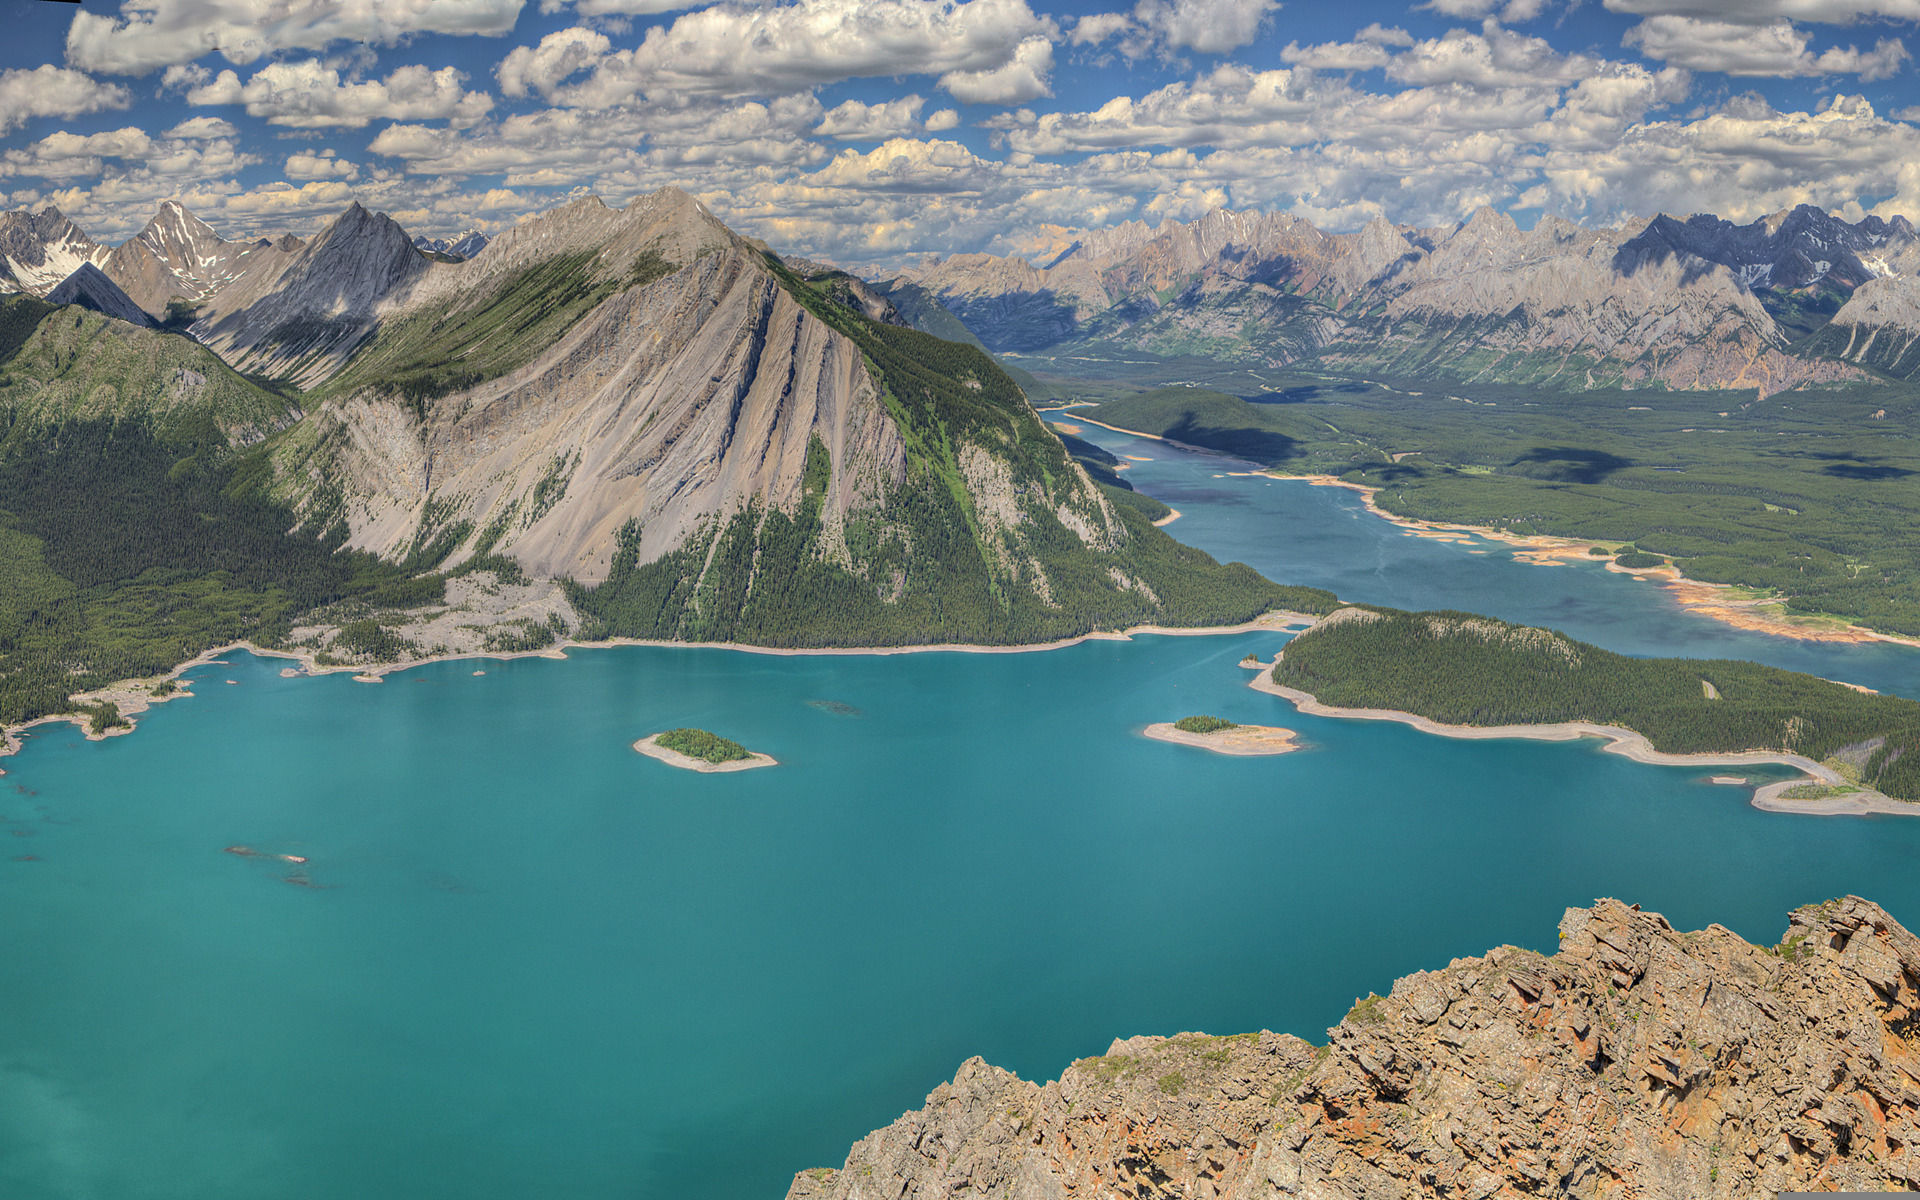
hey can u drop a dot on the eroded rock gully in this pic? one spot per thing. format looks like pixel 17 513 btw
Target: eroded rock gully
pixel 1639 1061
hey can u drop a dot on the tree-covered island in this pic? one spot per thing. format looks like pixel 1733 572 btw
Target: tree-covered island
pixel 699 750
pixel 1460 669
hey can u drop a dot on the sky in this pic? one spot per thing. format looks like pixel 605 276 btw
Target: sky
pixel 871 132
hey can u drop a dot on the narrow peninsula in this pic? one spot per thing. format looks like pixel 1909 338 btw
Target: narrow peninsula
pixel 1463 675
pixel 1223 736
pixel 698 750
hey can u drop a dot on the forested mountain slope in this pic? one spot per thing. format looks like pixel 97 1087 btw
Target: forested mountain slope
pixel 129 540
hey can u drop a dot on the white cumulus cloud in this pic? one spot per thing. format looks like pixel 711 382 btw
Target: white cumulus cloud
pixel 311 95
pixel 855 121
pixel 321 165
pixel 559 55
pixel 203 127
pixel 50 91
pixel 735 49
pixel 1022 78
pixel 151 34
pixel 1765 12
pixel 1777 49
pixel 1209 26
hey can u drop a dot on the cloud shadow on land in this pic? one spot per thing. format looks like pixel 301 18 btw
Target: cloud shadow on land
pixel 1569 464
pixel 1257 445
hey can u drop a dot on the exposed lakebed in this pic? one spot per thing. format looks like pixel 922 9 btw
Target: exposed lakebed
pixel 529 961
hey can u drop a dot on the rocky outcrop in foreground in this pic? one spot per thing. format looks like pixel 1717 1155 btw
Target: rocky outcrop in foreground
pixel 1639 1061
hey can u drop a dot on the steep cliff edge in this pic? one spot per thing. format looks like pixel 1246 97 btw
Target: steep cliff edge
pixel 1637 1061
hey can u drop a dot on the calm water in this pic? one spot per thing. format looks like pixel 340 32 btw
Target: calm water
pixel 539 964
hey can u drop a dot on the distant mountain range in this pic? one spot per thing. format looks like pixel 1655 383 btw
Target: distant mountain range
pixel 1797 298
pixel 461 245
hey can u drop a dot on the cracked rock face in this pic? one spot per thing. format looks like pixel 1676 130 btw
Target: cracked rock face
pixel 1638 1061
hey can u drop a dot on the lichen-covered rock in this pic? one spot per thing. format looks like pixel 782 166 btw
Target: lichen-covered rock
pixel 1639 1061
pixel 1176 1116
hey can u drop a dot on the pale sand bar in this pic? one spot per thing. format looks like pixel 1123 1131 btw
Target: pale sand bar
pixel 1628 743
pixel 1241 739
pixel 651 747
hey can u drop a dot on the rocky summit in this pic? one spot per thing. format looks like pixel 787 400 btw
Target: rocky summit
pixel 1638 1061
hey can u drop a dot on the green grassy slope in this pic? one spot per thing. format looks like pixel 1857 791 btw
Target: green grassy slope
pixel 486 333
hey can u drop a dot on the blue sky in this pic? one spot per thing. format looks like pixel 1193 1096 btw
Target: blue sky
pixel 869 131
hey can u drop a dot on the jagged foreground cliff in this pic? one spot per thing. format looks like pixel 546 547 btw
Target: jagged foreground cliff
pixel 1638 1061
pixel 1693 303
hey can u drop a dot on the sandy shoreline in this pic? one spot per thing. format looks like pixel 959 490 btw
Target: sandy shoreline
pixel 1709 600
pixel 134 697
pixel 1241 739
pixel 1624 742
pixel 651 747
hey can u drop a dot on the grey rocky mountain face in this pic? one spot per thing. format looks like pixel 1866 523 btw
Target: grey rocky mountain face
pixel 1637 1061
pixel 1695 303
pixel 301 314
pixel 178 258
pixel 89 287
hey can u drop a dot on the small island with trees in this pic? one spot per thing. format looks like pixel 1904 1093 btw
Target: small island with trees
pixel 1463 675
pixel 1223 736
pixel 698 750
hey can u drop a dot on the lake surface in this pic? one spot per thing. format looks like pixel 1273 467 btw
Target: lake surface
pixel 536 963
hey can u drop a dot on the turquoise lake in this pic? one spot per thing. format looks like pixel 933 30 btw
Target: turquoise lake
pixel 537 964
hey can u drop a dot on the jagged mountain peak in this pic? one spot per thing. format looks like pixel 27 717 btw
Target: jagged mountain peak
pixel 39 250
pixel 1487 220
pixel 1663 298
pixel 301 312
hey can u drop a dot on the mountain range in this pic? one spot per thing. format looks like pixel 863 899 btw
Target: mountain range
pixel 1797 298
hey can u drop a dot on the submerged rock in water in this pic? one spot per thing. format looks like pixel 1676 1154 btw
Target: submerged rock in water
pixel 1639 1060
